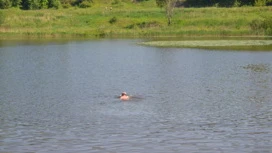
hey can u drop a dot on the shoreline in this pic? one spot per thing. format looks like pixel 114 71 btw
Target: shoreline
pixel 249 43
pixel 158 37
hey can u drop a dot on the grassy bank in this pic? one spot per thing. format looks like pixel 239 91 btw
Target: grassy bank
pixel 132 20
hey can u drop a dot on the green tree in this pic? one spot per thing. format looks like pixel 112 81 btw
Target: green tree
pixel 170 5
pixel 5 4
pixel 200 3
pixel 228 3
pixel 247 2
pixel 169 8
pixel 24 4
pixel 43 4
pixel 221 3
pixel 34 4
pixel 260 3
pixel 16 3
pixel 54 4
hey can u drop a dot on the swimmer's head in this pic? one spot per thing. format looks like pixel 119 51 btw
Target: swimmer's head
pixel 123 94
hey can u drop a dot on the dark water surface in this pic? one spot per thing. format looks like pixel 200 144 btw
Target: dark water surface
pixel 61 97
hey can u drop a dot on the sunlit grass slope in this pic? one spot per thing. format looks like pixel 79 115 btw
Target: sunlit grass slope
pixel 126 19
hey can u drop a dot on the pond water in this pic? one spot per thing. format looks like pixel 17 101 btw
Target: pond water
pixel 62 97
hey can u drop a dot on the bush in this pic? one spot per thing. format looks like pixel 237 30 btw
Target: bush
pixel 143 25
pixel 54 4
pixel 262 26
pixel 82 3
pixel 161 3
pixel 43 4
pixel 267 25
pixel 236 3
pixel 113 20
pixel 34 4
pixel 85 4
pixel 260 3
pixel 66 5
pixel 257 26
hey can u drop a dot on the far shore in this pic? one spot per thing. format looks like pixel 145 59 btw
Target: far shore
pixel 135 22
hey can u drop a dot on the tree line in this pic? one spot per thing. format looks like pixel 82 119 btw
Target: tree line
pixel 216 3
pixel 225 3
pixel 169 5
pixel 44 4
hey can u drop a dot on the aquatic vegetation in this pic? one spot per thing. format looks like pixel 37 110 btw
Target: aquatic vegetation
pixel 258 67
pixel 208 43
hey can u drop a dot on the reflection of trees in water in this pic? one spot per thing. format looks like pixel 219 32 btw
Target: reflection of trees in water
pixel 260 82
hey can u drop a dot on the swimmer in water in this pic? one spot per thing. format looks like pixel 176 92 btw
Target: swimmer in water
pixel 124 96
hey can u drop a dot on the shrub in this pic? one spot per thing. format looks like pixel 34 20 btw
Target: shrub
pixel 113 20
pixel 267 25
pixel 43 4
pixel 54 4
pixel 131 26
pixel 143 25
pixel 148 24
pixel 236 3
pixel 85 4
pixel 66 5
pixel 262 26
pixel 257 26
pixel 34 4
pixel 81 3
pixel 161 3
pixel 260 3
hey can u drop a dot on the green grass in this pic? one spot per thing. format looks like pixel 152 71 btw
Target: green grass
pixel 132 20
